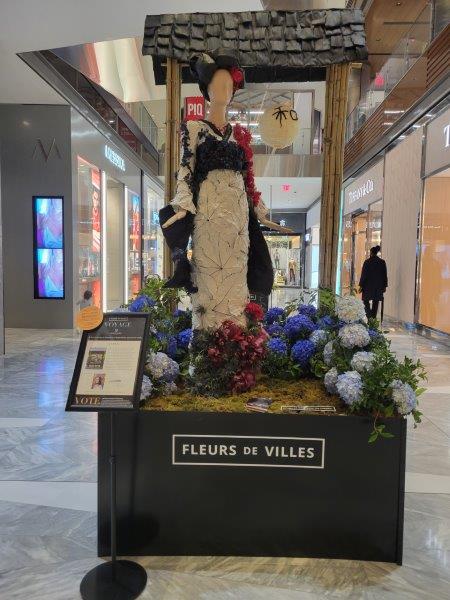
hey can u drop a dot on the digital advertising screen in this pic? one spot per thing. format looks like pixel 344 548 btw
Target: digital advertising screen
pixel 48 247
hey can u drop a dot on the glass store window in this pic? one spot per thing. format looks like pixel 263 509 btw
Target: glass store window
pixel 152 237
pixel 89 231
pixel 434 295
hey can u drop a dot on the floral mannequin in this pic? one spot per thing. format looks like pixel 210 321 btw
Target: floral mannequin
pixel 217 203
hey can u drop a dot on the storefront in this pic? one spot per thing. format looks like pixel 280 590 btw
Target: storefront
pixel 433 297
pixel 116 241
pixel 361 223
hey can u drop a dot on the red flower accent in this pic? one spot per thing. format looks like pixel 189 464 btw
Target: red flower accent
pixel 254 311
pixel 243 137
pixel 242 381
pixel 237 76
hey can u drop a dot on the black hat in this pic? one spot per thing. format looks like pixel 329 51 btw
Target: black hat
pixel 203 66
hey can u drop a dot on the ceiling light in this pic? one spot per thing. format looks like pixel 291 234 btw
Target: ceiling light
pixel 394 112
pixel 387 124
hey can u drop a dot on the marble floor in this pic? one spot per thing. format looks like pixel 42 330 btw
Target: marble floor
pixel 48 498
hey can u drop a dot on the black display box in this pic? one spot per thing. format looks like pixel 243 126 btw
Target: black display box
pixel 345 501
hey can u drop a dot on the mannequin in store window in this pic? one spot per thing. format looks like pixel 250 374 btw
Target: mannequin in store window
pixel 217 203
pixel 373 282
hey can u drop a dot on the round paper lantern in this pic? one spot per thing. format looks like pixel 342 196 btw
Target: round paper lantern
pixel 279 125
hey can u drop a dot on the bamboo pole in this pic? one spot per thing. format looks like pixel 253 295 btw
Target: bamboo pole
pixel 334 139
pixel 173 110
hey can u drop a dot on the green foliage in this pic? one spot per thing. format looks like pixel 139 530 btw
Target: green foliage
pixel 327 302
pixel 164 325
pixel 279 366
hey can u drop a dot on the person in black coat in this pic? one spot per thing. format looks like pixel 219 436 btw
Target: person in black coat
pixel 373 282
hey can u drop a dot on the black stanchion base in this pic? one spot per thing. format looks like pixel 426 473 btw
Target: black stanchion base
pixel 125 581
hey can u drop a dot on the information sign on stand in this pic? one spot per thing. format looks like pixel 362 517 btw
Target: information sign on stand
pixel 108 377
pixel 110 364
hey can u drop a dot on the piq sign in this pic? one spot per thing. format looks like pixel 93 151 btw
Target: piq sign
pixel 248 451
pixel 194 108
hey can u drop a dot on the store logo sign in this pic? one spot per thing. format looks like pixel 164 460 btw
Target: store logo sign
pixel 447 136
pixel 53 147
pixel 114 158
pixel 248 451
pixel 363 190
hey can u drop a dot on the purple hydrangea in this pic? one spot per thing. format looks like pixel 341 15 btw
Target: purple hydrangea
pixel 273 315
pixel 141 303
pixel 147 387
pixel 307 309
pixel 162 368
pixel 330 380
pixel 299 326
pixel 275 329
pixel 404 397
pixel 302 351
pixel 277 346
pixel 319 338
pixel 184 337
pixel 328 352
pixel 349 387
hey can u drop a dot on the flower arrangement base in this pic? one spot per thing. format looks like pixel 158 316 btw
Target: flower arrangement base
pixel 246 484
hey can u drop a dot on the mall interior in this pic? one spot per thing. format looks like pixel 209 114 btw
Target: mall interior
pixel 90 118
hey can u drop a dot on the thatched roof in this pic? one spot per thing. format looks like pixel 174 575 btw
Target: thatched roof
pixel 271 45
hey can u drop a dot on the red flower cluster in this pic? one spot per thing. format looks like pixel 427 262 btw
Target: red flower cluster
pixel 243 137
pixel 237 76
pixel 232 343
pixel 254 311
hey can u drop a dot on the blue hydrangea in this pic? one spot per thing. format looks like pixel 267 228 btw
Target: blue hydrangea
pixel 273 314
pixel 184 337
pixel 141 303
pixel 362 361
pixel 319 338
pixel 404 397
pixel 172 347
pixel 162 368
pixel 354 335
pixel 326 322
pixel 302 352
pixel 275 329
pixel 299 326
pixel 147 387
pixel 277 346
pixel 328 352
pixel 373 334
pixel 330 380
pixel 178 313
pixel 307 309
pixel 349 387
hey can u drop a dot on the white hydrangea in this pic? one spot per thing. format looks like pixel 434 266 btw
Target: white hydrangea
pixel 362 361
pixel 350 309
pixel 330 380
pixel 354 335
pixel 328 353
